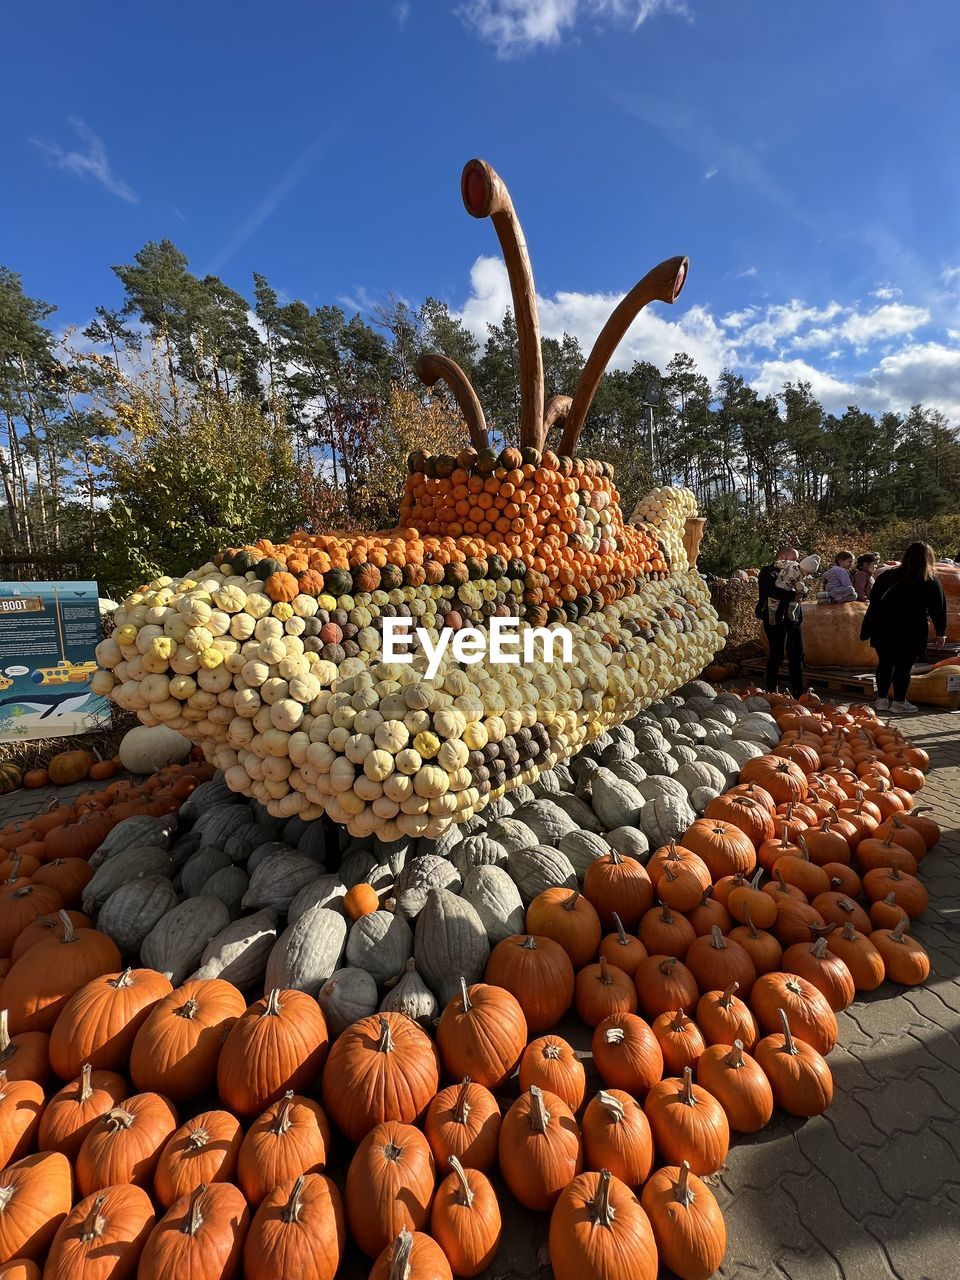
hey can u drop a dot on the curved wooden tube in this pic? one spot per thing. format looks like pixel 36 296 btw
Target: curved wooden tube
pixel 431 367
pixel 485 196
pixel 662 284
pixel 554 414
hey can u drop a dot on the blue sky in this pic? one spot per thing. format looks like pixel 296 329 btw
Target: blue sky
pixel 803 155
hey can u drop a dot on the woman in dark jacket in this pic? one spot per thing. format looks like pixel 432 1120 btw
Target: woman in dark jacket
pixel 901 602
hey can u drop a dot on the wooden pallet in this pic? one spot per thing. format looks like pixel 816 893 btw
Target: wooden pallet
pixel 836 679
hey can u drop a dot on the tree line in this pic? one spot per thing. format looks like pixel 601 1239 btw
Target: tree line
pixel 187 416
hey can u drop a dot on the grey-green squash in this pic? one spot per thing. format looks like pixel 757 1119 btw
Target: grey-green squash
pixel 135 833
pixel 582 848
pixel 206 796
pixel 411 996
pixel 218 824
pixel 313 842
pixel 492 893
pixel 380 942
pixel 229 884
pixel 239 952
pixel 656 764
pixel 579 813
pixel 326 891
pixel 356 867
pixel 665 818
pixel 477 851
pixel 419 876
pixel 128 864
pixel 198 870
pixel 177 941
pixel 270 850
pixel 242 842
pixel 183 849
pixel 308 951
pixel 538 868
pixel 511 834
pixel 700 774
pixel 449 942
pixel 548 822
pixel 546 785
pixel 630 842
pixel 347 996
pixel 278 879
pixel 615 802
pixel 134 908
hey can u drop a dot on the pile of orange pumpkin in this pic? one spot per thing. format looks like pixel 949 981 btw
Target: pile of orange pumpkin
pixel 193 1134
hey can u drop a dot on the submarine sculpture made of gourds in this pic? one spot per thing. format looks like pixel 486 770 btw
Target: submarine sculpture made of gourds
pixel 271 657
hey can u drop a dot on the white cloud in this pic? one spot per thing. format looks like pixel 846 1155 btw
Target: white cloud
pixel 784 320
pixel 401 12
pixel 883 322
pixel 830 390
pixel 746 274
pixel 520 26
pixel 711 173
pixel 885 293
pixel 922 373
pixel 949 274
pixel 90 163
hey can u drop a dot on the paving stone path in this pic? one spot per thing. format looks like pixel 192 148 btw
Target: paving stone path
pixel 871 1190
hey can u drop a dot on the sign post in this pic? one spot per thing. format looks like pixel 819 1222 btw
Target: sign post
pixel 49 632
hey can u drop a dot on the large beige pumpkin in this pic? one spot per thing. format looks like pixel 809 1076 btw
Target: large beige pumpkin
pixel 146 749
pixel 831 636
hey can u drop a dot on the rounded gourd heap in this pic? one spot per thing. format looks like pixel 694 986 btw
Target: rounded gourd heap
pixel 271 657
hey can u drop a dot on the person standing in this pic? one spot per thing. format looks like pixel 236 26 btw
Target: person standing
pixel 779 609
pixel 901 602
pixel 862 576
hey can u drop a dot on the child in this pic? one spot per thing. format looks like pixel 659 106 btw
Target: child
pixel 863 576
pixel 836 582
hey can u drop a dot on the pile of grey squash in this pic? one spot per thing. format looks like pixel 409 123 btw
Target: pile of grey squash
pixel 223 890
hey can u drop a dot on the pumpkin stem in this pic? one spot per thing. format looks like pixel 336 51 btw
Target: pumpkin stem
pixel 788 1045
pixel 897 933
pixel 465 995
pixel 291 1210
pixel 189 1009
pixel 782 884
pixel 400 1265
pixel 849 933
pixel 193 1218
pixel 465 1193
pixel 118 1118
pixel 528 944
pixel 95 1223
pixel 69 933
pixel 461 1109
pixel 571 902
pixel 754 931
pixel 614 1035
pixel 7 1050
pixel 726 1000
pixel 681 1188
pixel 121 980
pixel 755 882
pixel 198 1139
pixel 616 857
pixel 602 1211
pixel 819 949
pixel 665 916
pixel 551 1052
pixel 717 940
pixel 679 1021
pixel 392 1152
pixel 86 1090
pixel 686 1093
pixel 667 965
pixel 605 977
pixel 613 1105
pixel 283 1121
pixel 385 1043
pixel 272 1009
pixel 735 1057
pixel 622 938
pixel 539 1115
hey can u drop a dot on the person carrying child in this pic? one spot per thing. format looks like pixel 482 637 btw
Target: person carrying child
pixel 837 582
pixel 782 591
pixel 863 576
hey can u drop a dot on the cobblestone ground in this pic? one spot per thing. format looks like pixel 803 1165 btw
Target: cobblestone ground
pixel 871 1190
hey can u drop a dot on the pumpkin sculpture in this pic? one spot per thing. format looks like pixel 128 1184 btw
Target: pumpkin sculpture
pixel 484 538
